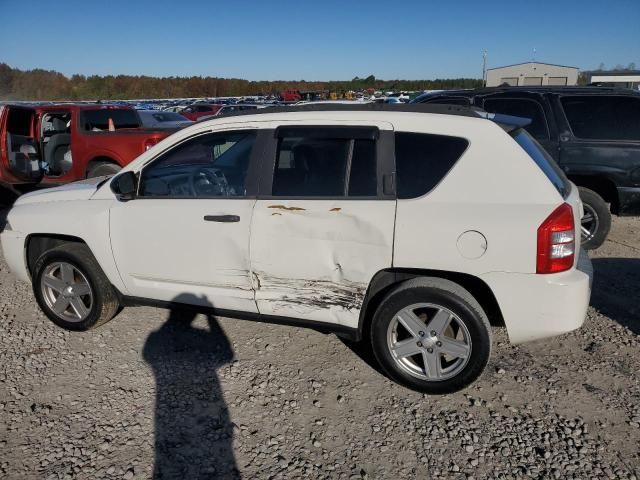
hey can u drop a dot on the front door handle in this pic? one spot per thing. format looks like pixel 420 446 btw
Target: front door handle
pixel 222 218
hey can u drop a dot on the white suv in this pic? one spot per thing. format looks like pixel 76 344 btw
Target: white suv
pixel 410 227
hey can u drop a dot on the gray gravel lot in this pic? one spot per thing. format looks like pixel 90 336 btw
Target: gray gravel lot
pixel 159 393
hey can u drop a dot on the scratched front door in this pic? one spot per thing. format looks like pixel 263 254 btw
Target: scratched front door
pixel 326 227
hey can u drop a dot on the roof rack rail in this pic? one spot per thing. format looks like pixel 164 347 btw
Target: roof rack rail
pixel 459 110
pixel 507 122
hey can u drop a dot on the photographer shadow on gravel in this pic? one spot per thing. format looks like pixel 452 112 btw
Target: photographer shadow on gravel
pixel 616 284
pixel 194 433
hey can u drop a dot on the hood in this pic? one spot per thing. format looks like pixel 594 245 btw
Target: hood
pixel 82 190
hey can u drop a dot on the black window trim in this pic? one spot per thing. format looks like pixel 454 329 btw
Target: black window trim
pixel 347 167
pixel 346 132
pixel 537 102
pixel 384 149
pixel 597 140
pixel 251 180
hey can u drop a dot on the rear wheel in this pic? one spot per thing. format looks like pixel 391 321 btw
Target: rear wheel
pixel 100 169
pixel 596 221
pixel 71 288
pixel 431 335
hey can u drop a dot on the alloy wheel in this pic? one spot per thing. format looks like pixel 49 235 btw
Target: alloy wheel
pixel 429 342
pixel 66 291
pixel 589 223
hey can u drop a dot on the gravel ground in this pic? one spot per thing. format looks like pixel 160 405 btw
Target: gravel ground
pixel 158 393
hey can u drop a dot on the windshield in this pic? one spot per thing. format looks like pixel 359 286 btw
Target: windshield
pixel 543 160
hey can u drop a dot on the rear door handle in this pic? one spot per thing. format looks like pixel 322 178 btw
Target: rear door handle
pixel 222 218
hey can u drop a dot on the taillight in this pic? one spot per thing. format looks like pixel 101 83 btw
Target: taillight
pixel 556 241
pixel 150 142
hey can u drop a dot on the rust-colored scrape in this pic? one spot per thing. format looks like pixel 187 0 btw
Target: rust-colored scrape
pixel 284 207
pixel 275 213
pixel 336 209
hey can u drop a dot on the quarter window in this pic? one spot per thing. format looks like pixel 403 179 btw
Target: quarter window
pixel 603 117
pixel 325 167
pixel 521 107
pixel 211 165
pixel 422 160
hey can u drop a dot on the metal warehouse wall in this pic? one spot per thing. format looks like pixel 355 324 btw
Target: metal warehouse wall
pixel 532 74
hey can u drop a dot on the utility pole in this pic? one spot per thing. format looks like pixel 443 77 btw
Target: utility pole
pixel 484 68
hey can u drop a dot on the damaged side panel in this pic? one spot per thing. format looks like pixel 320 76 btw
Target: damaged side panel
pixel 315 260
pixel 164 248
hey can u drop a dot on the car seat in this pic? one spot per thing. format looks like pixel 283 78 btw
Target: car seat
pixel 54 152
pixel 291 181
pixel 22 152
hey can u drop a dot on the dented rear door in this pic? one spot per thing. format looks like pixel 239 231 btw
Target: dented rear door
pixel 323 223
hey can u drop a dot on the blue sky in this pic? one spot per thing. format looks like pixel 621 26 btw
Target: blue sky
pixel 329 40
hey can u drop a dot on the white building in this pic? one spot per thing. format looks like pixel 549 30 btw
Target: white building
pixel 532 74
pixel 622 78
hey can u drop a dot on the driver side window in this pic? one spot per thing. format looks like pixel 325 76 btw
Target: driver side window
pixel 210 165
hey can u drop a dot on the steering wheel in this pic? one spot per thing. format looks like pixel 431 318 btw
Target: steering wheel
pixel 204 181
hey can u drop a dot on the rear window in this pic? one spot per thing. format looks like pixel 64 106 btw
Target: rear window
pixel 521 107
pixel 422 160
pixel 543 160
pixel 603 117
pixel 98 120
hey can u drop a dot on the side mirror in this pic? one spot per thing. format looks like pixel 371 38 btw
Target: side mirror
pixel 125 186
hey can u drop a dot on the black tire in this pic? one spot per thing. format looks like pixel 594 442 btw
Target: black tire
pixel 100 169
pixel 104 303
pixel 452 297
pixel 595 207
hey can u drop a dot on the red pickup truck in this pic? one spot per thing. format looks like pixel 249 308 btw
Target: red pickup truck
pixel 60 143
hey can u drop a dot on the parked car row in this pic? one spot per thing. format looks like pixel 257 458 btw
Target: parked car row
pixel 592 133
pixel 412 228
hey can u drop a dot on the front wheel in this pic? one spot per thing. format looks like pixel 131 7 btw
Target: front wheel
pixel 431 335
pixel 71 288
pixel 596 221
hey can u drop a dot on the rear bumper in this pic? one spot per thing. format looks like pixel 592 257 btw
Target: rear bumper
pixel 14 253
pixel 540 306
pixel 629 200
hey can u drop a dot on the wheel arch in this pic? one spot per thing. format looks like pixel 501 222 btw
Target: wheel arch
pixel 385 280
pixel 38 243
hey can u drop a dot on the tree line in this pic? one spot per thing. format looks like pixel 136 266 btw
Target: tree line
pixel 39 84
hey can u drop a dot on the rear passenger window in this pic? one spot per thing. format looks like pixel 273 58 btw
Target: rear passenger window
pixel 325 167
pixel 603 117
pixel 422 160
pixel 98 120
pixel 521 107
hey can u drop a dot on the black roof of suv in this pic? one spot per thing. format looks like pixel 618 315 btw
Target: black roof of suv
pixel 566 90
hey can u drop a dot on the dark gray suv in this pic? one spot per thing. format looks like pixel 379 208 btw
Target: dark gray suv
pixel 592 132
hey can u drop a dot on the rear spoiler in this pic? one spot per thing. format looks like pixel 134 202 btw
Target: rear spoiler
pixel 508 122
